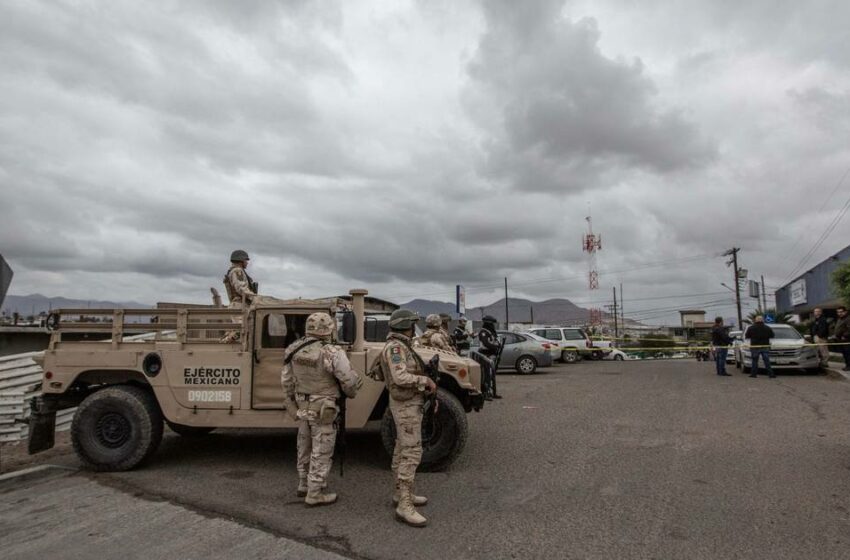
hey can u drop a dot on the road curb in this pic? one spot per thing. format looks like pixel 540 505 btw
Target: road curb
pixel 31 473
pixel 837 374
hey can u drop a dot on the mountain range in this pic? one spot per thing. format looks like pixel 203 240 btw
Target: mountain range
pixel 550 311
pixel 34 304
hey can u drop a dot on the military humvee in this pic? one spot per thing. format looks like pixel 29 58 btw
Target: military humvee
pixel 181 373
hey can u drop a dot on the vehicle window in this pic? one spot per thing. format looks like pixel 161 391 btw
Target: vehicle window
pixel 785 333
pixel 519 338
pixel 509 338
pixel 280 330
pixel 551 334
pixel 573 335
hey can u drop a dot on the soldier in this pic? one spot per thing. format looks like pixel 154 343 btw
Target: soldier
pixel 489 340
pixel 460 337
pixel 404 374
pixel 445 319
pixel 313 373
pixel 434 336
pixel 240 288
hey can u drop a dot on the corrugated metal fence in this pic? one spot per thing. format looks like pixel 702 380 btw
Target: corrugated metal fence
pixel 20 382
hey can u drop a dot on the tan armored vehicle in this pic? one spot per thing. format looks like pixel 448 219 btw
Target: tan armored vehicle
pixel 181 373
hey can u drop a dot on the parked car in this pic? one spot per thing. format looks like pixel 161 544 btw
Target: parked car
pixel 522 352
pixel 617 355
pixel 736 338
pixel 573 343
pixel 788 350
pixel 553 347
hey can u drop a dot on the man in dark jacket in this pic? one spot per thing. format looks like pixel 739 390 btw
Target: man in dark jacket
pixel 842 335
pixel 489 341
pixel 460 337
pixel 721 340
pixel 760 335
pixel 819 329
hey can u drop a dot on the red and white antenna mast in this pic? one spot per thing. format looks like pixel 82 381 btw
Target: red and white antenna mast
pixel 591 243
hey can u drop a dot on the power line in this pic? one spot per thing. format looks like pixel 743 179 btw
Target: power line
pixel 826 233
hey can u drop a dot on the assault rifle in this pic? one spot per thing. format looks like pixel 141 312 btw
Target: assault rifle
pixel 340 427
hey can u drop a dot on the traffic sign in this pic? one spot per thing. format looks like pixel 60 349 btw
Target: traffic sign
pixel 769 318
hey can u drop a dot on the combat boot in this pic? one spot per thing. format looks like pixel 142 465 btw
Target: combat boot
pixel 302 488
pixel 319 498
pixel 416 500
pixel 405 512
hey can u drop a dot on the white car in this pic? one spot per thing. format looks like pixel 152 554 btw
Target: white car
pixel 617 355
pixel 788 350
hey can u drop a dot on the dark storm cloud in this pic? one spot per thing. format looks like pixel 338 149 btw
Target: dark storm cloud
pixel 564 111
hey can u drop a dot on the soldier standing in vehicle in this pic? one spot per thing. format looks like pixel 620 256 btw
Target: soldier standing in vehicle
pixel 434 336
pixel 313 373
pixel 240 288
pixel 407 384
pixel 489 340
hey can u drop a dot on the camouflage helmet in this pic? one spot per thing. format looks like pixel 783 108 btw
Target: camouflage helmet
pixel 432 320
pixel 445 317
pixel 403 319
pixel 320 324
pixel 461 320
pixel 239 255
pixel 488 319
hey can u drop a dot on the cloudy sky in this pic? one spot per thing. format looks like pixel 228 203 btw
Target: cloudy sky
pixel 410 146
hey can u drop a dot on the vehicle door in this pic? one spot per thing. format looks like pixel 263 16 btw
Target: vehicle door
pixel 574 338
pixel 554 335
pixel 274 331
pixel 510 352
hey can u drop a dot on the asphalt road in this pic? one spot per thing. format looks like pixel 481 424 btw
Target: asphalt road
pixel 655 459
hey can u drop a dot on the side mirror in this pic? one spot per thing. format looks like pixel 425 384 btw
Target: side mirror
pixel 348 331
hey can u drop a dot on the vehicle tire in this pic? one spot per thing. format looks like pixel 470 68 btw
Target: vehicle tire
pixel 116 428
pixel 440 445
pixel 745 369
pixel 525 365
pixel 188 431
pixel 569 356
pixel 596 355
pixel 618 358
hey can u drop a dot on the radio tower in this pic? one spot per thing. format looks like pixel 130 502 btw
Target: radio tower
pixel 590 244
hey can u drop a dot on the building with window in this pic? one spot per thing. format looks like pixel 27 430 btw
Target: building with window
pixel 812 289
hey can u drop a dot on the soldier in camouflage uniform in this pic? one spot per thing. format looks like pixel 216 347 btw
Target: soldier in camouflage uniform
pixel 434 336
pixel 240 288
pixel 445 319
pixel 404 375
pixel 313 373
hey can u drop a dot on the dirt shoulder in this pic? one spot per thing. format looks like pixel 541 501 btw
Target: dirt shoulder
pixel 14 456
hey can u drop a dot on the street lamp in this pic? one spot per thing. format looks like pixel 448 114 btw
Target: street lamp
pixel 727 287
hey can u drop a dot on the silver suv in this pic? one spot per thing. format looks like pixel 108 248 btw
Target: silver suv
pixel 573 342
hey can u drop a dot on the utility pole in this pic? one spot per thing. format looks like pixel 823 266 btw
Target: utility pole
pixel 507 320
pixel 622 313
pixel 531 308
pixel 616 331
pixel 763 295
pixel 734 262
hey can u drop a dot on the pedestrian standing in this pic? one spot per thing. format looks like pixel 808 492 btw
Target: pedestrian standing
pixel 490 347
pixel 460 337
pixel 819 330
pixel 842 335
pixel 760 335
pixel 721 340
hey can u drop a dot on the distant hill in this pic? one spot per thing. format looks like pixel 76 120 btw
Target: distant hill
pixel 34 304
pixel 551 311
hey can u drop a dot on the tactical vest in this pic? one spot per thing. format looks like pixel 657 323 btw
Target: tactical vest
pixel 232 294
pixel 310 375
pixel 425 339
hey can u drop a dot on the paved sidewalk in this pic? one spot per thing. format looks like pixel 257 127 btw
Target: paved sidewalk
pixel 60 514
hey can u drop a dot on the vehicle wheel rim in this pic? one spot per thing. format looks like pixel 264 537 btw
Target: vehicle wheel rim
pixel 526 366
pixel 570 356
pixel 113 430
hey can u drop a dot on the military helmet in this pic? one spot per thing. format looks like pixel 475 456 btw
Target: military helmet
pixel 461 320
pixel 403 319
pixel 320 324
pixel 239 255
pixel 488 319
pixel 432 320
pixel 445 317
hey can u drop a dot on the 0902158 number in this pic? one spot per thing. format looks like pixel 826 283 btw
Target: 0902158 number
pixel 210 396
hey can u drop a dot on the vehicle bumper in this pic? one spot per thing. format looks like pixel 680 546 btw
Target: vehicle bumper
pixel 544 360
pixel 785 362
pixel 476 401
